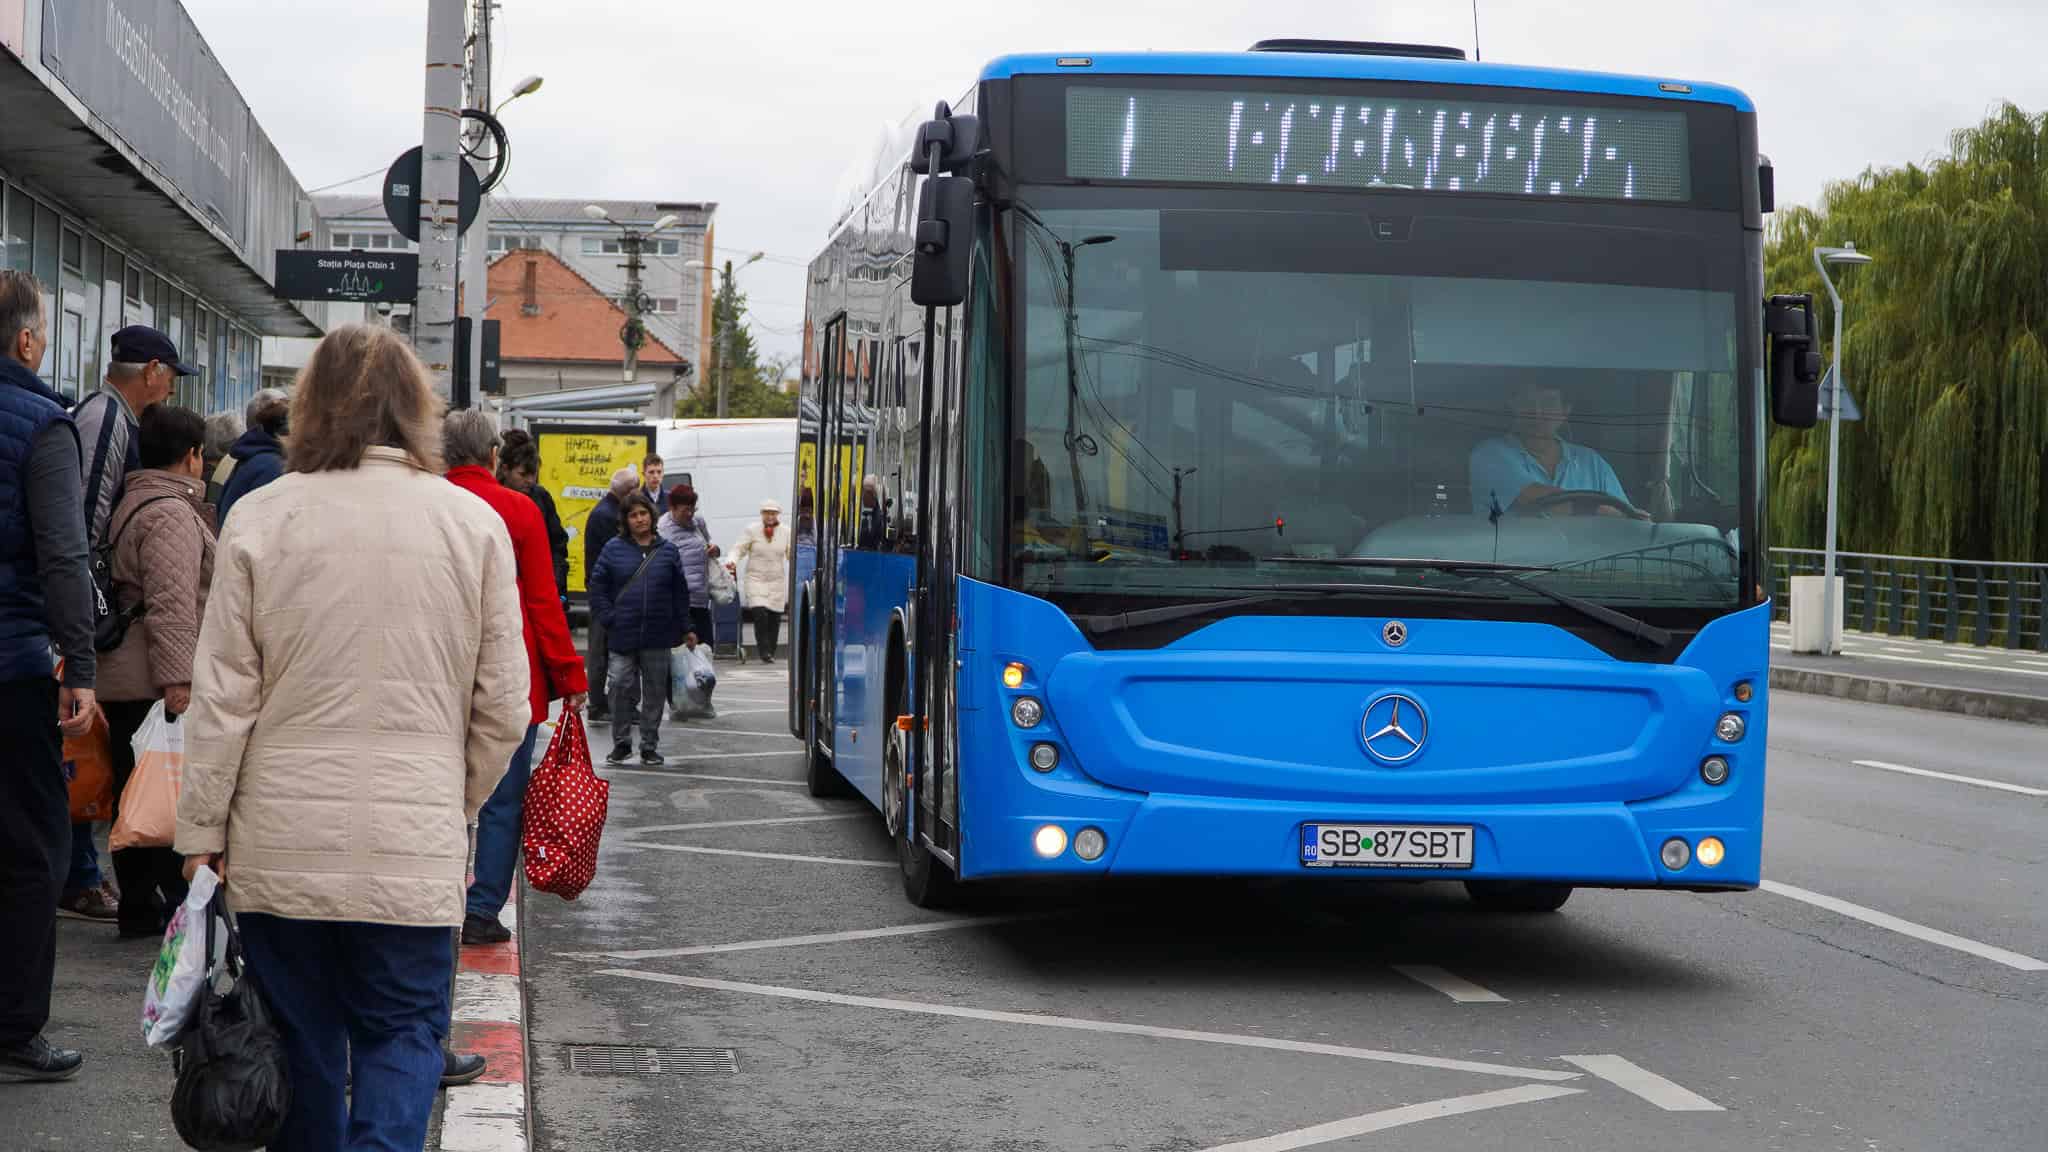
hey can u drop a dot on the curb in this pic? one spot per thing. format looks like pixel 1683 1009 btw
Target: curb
pixel 495 1113
pixel 1911 694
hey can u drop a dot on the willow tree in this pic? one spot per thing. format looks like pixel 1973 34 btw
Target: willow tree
pixel 1944 352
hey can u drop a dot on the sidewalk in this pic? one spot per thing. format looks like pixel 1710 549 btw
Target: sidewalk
pixel 1995 683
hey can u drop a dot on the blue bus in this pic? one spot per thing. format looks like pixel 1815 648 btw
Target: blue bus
pixel 1327 459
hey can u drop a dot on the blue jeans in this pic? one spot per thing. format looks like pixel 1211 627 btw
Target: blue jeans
pixel 498 827
pixel 85 860
pixel 367 999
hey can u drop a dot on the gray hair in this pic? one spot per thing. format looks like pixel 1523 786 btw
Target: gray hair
pixel 468 436
pixel 21 308
pixel 623 481
pixel 267 408
pixel 222 430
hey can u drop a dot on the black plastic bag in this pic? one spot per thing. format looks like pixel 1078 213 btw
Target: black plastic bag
pixel 234 1086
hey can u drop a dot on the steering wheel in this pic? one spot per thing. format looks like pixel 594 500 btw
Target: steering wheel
pixel 1580 501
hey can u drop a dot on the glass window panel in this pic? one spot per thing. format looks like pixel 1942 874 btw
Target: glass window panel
pixel 17 224
pixel 112 284
pixel 95 294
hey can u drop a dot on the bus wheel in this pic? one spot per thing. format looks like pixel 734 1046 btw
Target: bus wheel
pixel 1517 895
pixel 927 881
pixel 820 777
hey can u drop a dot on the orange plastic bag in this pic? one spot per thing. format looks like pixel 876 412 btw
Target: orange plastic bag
pixel 89 773
pixel 149 804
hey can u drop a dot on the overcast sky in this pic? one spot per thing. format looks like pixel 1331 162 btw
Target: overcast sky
pixel 761 105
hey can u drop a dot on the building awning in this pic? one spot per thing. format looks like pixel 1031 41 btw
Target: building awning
pixel 44 143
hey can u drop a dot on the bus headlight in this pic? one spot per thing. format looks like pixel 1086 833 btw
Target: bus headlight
pixel 1027 712
pixel 1677 854
pixel 1711 852
pixel 1090 843
pixel 1013 676
pixel 1714 770
pixel 1744 691
pixel 1730 727
pixel 1049 841
pixel 1045 757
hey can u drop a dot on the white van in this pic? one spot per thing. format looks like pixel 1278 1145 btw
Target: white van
pixel 733 465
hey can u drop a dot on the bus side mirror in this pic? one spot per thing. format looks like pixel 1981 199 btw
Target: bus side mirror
pixel 1792 337
pixel 945 237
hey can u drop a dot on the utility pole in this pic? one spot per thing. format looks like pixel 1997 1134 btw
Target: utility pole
pixel 636 330
pixel 440 190
pixel 476 253
pixel 724 336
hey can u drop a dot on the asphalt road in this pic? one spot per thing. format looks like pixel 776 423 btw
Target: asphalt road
pixel 1198 1016
pixel 2011 671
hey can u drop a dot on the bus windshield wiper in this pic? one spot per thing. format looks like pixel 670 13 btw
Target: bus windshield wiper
pixel 1644 632
pixel 1107 623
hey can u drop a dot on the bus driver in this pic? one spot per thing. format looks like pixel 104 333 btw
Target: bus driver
pixel 1532 461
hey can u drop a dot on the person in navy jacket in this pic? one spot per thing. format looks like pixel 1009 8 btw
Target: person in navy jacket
pixel 641 596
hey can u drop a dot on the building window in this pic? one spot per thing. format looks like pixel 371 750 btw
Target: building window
pixel 670 247
pixel 504 243
pixel 666 304
pixel 375 241
pixel 596 246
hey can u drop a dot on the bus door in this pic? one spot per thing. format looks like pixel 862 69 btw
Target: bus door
pixel 938 501
pixel 830 528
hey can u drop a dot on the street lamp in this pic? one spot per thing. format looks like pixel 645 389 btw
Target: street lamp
pixel 526 87
pixel 1822 257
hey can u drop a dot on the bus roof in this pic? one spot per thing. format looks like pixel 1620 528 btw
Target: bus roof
pixel 1350 66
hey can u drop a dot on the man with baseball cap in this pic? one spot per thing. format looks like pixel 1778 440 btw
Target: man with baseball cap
pixel 141 372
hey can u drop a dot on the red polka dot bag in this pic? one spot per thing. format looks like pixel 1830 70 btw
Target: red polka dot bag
pixel 565 810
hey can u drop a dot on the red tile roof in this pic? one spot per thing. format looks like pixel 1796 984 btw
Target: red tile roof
pixel 563 317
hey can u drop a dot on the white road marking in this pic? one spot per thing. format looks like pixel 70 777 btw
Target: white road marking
pixel 724 712
pixel 2022 789
pixel 1966 656
pixel 1078 1024
pixel 799 941
pixel 686 777
pixel 487 996
pixel 1450 984
pixel 760 855
pixel 741 824
pixel 1395 1117
pixel 1908 928
pixel 1644 1083
pixel 2035 663
pixel 1955 664
pixel 484 1118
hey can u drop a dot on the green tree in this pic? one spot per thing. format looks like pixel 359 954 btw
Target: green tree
pixel 1944 351
pixel 733 354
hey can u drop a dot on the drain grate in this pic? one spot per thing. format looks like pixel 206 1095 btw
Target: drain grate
pixel 632 1060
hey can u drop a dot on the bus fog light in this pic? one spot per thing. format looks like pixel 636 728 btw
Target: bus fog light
pixel 1027 712
pixel 1045 757
pixel 1714 770
pixel 1013 676
pixel 1711 852
pixel 1090 843
pixel 1745 691
pixel 1677 854
pixel 1049 841
pixel 1729 727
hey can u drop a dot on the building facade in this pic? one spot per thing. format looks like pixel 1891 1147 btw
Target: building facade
pixel 558 332
pixel 138 187
pixel 678 295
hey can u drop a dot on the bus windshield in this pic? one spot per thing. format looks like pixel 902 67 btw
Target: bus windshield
pixel 1210 392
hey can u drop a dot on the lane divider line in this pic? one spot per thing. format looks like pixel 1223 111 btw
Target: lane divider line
pixel 1989 952
pixel 1979 781
pixel 740 824
pixel 1079 1024
pixel 686 777
pixel 1450 984
pixel 760 855
pixel 1396 1117
pixel 800 941
pixel 1640 1081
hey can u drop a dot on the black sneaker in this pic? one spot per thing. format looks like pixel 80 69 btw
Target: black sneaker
pixel 460 1067
pixel 38 1060
pixel 621 754
pixel 478 930
pixel 652 758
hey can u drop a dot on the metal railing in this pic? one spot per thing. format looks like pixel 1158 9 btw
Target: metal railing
pixel 1981 602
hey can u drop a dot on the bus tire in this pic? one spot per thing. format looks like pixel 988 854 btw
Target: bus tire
pixel 927 881
pixel 1520 896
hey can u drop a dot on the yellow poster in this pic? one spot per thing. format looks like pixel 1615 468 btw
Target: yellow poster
pixel 806 473
pixel 576 468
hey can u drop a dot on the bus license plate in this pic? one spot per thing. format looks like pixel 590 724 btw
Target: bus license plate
pixel 1386 845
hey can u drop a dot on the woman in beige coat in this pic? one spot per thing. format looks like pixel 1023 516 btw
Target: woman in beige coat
pixel 763 549
pixel 360 686
pixel 162 535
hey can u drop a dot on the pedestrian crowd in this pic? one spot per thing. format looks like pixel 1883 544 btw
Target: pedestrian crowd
pixel 344 724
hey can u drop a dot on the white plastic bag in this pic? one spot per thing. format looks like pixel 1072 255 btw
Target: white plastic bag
pixel 692 676
pixel 180 969
pixel 721 587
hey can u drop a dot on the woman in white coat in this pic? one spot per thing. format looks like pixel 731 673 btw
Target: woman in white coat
pixel 763 549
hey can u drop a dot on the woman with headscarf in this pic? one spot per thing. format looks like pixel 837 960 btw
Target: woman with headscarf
pixel 763 549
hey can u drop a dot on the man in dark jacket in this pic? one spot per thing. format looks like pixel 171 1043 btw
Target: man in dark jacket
pixel 259 454
pixel 599 529
pixel 45 599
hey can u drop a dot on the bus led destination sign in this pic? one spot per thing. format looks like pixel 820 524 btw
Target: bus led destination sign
pixel 1356 140
pixel 363 277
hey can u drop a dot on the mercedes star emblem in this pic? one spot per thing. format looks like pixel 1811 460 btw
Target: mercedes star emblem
pixel 1394 728
pixel 1395 633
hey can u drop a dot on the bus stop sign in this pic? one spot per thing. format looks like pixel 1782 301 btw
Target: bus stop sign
pixel 402 195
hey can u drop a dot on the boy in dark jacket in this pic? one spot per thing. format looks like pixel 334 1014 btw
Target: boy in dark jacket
pixel 640 594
